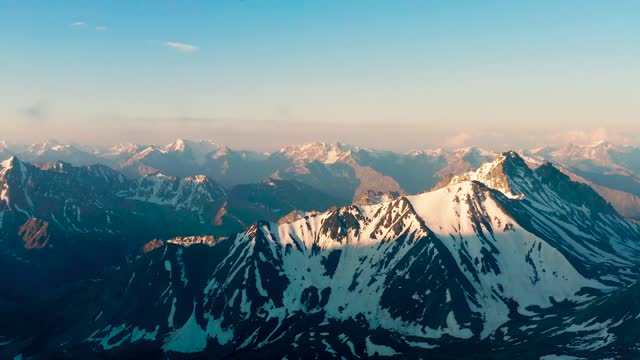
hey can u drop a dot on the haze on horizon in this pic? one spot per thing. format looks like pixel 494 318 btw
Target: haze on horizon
pixel 260 75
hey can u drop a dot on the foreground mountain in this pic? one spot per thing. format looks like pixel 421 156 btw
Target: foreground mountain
pixel 506 261
pixel 572 216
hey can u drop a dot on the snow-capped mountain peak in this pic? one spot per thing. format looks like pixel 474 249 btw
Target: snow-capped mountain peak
pixel 8 163
pixel 41 148
pixel 198 147
pixel 427 152
pixel 507 173
pixel 319 151
pixel 457 252
pixel 601 153
pixel 198 151
pixel 125 148
pixel 177 145
pixel 191 193
pixel 13 164
pixel 221 152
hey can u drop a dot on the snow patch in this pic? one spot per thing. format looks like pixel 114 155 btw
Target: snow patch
pixel 379 350
pixel 190 338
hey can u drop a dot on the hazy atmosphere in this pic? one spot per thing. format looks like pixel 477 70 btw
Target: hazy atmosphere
pixel 338 179
pixel 263 74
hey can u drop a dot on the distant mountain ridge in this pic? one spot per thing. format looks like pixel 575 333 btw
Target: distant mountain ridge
pixel 347 172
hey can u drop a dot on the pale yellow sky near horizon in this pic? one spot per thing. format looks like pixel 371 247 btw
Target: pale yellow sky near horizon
pixel 399 137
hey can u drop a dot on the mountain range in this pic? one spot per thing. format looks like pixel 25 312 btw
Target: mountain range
pixel 344 171
pixel 60 222
pixel 512 258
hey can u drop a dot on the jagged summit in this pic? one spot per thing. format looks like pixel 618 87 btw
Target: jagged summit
pixel 545 186
pixel 44 145
pixel 124 148
pixel 199 149
pixel 178 145
pixel 327 153
pixel 222 151
pixel 511 162
pixel 507 173
pixel 10 162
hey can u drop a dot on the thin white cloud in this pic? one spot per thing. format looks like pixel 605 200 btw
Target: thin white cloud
pixel 182 47
pixel 82 24
pixel 476 137
pixel 458 139
pixel 593 136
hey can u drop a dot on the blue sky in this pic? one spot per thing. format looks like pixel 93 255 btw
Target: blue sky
pixel 391 74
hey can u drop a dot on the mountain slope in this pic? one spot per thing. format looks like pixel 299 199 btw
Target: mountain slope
pixel 61 223
pixel 572 216
pixel 273 198
pixel 55 212
pixel 195 193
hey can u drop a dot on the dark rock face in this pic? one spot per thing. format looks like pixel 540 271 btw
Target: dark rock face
pixel 573 192
pixel 272 199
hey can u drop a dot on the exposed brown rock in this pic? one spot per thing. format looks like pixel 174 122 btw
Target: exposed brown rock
pixel 34 234
pixel 152 245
